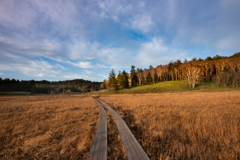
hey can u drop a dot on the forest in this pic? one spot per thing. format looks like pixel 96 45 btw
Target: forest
pixel 221 70
pixel 44 86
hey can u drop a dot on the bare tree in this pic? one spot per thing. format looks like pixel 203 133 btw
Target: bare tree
pixel 57 90
pixel 194 75
pixel 236 79
pixel 92 88
pixel 226 78
pixel 83 89
pixel 217 79
pixel 68 91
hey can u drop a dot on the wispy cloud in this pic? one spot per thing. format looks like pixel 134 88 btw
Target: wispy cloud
pixel 61 39
pixel 88 72
pixel 83 64
pixel 156 52
pixel 142 22
pixel 35 68
pixel 77 76
pixel 103 75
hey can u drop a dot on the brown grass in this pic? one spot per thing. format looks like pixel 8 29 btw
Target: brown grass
pixel 47 127
pixel 183 125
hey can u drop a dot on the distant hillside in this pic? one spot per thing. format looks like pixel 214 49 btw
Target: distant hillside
pixel 168 87
pixel 218 69
pixel 76 85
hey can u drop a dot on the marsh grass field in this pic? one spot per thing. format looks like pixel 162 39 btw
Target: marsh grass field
pixel 182 125
pixel 190 125
pixel 47 127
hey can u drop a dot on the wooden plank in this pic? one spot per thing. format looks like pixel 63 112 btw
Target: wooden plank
pixel 98 150
pixel 133 149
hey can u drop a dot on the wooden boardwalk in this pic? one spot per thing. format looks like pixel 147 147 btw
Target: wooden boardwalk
pixel 99 146
pixel 133 149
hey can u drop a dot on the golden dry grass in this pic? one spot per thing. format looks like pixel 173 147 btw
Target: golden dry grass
pixel 47 127
pixel 203 125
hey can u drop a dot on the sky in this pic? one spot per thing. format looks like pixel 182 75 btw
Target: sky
pixel 84 39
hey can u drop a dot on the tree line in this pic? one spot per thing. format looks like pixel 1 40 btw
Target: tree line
pixel 44 86
pixel 220 69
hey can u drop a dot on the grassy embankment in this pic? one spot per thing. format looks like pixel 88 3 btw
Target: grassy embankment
pixel 190 125
pixel 47 127
pixel 169 86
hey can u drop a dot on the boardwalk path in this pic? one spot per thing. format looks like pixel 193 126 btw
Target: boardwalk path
pixel 133 149
pixel 99 146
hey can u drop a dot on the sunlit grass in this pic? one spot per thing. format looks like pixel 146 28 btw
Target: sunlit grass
pixel 184 125
pixel 169 86
pixel 47 127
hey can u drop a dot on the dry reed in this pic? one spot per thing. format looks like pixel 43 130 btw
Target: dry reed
pixel 203 125
pixel 47 127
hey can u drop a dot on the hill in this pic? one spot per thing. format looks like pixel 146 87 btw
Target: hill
pixel 168 86
pixel 221 70
pixel 32 86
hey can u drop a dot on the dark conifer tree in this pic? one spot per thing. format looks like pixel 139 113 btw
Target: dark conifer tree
pixel 149 78
pixel 125 82
pixel 134 79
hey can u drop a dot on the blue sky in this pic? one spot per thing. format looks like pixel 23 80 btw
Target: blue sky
pixel 59 40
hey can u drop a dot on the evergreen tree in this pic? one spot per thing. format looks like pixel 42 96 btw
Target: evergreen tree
pixel 120 79
pixel 150 67
pixel 134 79
pixel 112 84
pixel 125 82
pixel 149 78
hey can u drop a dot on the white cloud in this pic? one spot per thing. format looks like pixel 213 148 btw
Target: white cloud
pixel 76 76
pixel 132 15
pixel 82 64
pixel 88 72
pixel 1 73
pixel 103 75
pixel 82 49
pixel 156 46
pixel 37 68
pixel 87 65
pixel 142 22
pixel 3 40
pixel 156 52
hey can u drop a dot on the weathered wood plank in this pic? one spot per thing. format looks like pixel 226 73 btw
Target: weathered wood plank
pixel 133 149
pixel 98 150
